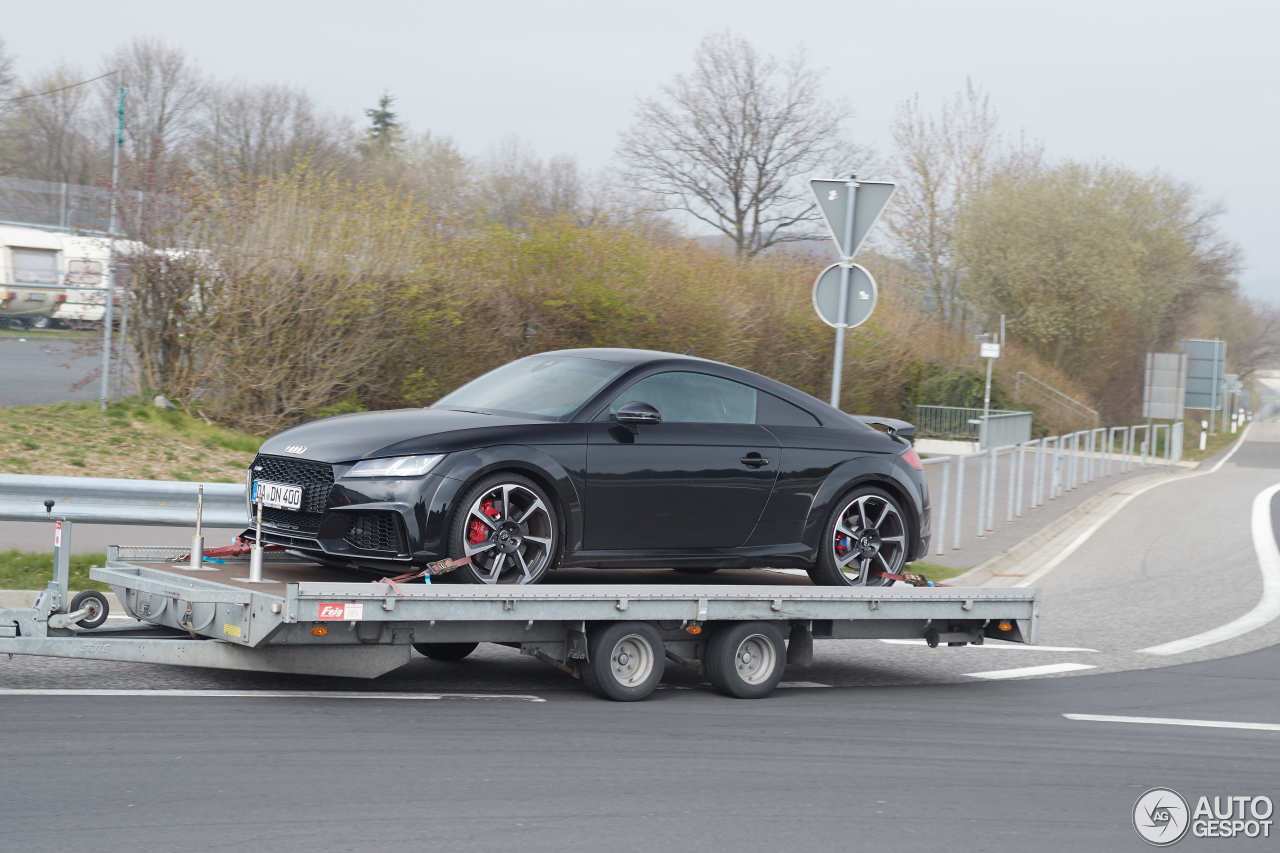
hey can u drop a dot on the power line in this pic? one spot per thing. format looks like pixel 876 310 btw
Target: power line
pixel 55 91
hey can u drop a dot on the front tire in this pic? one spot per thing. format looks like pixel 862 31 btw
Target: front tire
pixel 509 528
pixel 625 661
pixel 865 537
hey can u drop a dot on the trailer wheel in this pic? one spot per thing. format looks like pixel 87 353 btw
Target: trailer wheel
pixel 97 604
pixel 446 651
pixel 746 659
pixel 625 661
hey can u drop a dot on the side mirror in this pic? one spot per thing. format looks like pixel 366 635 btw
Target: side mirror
pixel 636 412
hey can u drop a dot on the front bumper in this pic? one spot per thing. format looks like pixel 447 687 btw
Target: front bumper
pixel 362 521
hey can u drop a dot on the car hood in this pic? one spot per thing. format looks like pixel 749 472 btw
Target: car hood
pixel 366 435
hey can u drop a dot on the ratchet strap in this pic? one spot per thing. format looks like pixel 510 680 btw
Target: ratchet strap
pixel 910 577
pixel 439 567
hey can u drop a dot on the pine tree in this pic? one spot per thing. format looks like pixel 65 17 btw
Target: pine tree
pixel 383 134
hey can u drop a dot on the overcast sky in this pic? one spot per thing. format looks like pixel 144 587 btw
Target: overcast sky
pixel 1190 88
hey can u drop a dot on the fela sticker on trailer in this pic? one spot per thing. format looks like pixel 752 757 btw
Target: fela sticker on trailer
pixel 341 612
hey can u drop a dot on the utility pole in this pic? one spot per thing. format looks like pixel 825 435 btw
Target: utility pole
pixel 107 319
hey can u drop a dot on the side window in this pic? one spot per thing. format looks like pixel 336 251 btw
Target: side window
pixel 774 411
pixel 693 398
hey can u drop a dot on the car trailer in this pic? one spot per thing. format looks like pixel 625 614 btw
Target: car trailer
pixel 309 619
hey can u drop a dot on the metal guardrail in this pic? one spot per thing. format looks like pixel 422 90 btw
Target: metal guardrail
pixel 1004 426
pixel 1059 463
pixel 112 501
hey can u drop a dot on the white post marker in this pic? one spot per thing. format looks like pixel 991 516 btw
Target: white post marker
pixel 1204 426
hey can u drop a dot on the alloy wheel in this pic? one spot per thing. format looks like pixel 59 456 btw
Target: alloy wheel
pixel 509 535
pixel 869 538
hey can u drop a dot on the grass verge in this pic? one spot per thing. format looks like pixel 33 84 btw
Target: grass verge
pixel 30 570
pixel 132 438
pixel 933 571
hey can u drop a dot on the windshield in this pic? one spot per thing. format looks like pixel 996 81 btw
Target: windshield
pixel 545 385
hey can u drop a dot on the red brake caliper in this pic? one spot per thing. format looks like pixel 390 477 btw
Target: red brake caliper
pixel 478 531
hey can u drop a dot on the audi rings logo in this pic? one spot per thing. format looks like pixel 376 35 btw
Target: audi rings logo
pixel 1161 816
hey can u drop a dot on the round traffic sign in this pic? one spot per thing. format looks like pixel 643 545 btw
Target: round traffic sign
pixel 862 296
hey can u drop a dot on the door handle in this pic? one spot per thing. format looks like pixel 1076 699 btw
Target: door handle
pixel 754 460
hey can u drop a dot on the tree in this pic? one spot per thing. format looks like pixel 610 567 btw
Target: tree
pixel 266 130
pixel 165 91
pixel 1095 265
pixel 729 143
pixel 47 132
pixel 7 77
pixel 943 161
pixel 383 134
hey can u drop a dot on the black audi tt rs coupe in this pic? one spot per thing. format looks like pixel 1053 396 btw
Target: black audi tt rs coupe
pixel 606 458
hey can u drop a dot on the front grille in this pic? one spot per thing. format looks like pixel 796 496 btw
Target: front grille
pixel 315 478
pixel 376 531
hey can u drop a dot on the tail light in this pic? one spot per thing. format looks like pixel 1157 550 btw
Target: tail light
pixel 8 297
pixel 62 297
pixel 912 458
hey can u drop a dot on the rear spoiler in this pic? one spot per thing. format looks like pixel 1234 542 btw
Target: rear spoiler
pixel 893 426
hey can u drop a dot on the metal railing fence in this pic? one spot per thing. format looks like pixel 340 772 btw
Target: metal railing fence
pixel 1036 471
pixel 1005 426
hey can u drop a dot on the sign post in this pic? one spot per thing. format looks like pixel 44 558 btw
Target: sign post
pixel 850 209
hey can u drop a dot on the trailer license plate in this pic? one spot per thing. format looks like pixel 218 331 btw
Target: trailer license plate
pixel 278 495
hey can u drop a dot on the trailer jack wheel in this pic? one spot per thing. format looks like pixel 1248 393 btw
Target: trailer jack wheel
pixel 746 659
pixel 97 604
pixel 625 661
pixel 446 651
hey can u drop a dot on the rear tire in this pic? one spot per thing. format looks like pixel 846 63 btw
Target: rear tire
pixel 866 534
pixel 746 659
pixel 625 661
pixel 445 651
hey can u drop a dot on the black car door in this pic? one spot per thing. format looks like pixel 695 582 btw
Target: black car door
pixel 699 479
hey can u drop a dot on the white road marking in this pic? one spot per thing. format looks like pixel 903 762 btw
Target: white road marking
pixel 1170 721
pixel 1267 608
pixel 998 645
pixel 784 684
pixel 1093 528
pixel 264 694
pixel 1026 671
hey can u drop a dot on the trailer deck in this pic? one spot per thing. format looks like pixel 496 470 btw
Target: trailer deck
pixel 316 620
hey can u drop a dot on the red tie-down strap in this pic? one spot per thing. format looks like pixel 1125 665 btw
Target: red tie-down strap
pixel 439 567
pixel 911 578
pixel 239 549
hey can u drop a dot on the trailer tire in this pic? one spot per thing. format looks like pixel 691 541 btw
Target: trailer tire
pixel 625 661
pixel 97 604
pixel 746 659
pixel 445 651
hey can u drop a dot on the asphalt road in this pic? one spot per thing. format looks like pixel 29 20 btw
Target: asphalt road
pixel 44 369
pixel 883 745
pixel 959 767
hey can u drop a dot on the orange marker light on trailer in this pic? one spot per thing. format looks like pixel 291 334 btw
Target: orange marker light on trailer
pixel 695 630
pixel 1005 626
pixel 319 631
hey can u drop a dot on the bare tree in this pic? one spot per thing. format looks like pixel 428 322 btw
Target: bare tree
pixel 47 132
pixel 7 77
pixel 730 142
pixel 942 161
pixel 164 93
pixel 266 130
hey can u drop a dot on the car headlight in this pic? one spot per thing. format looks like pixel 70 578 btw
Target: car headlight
pixel 395 466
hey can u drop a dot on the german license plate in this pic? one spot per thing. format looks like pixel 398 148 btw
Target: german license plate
pixel 278 495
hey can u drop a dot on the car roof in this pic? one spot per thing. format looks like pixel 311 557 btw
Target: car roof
pixel 627 356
